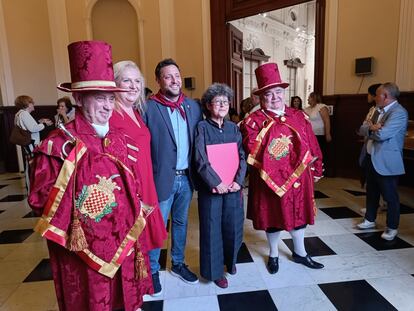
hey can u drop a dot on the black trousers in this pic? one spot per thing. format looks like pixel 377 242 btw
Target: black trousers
pixel 221 231
pixel 387 186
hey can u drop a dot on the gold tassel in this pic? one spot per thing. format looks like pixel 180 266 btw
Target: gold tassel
pixel 140 267
pixel 77 241
pixel 315 208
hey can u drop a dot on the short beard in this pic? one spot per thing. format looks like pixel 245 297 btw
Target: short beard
pixel 170 94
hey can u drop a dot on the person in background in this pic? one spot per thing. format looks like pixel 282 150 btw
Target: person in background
pixel 285 161
pixel 24 120
pixel 148 93
pixel 172 118
pixel 86 187
pixel 245 106
pixel 126 118
pixel 296 102
pixel 254 102
pixel 383 160
pixel 65 111
pixel 220 205
pixel 234 116
pixel 319 117
pixel 372 89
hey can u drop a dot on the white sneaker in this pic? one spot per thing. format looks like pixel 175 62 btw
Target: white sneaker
pixel 389 234
pixel 366 224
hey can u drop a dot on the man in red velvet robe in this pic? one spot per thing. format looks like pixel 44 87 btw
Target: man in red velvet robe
pixel 86 188
pixel 285 160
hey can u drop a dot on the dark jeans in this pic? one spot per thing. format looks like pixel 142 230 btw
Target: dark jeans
pixel 387 186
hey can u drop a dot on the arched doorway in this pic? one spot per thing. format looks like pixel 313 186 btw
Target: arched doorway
pixel 226 47
pixel 122 32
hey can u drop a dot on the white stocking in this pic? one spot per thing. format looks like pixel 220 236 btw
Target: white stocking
pixel 273 240
pixel 298 237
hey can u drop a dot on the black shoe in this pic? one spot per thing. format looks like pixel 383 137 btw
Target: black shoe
pixel 184 273
pixel 232 270
pixel 156 284
pixel 307 261
pixel 273 265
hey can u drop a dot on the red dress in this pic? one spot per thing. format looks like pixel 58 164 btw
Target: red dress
pixel 98 190
pixel 285 156
pixel 141 137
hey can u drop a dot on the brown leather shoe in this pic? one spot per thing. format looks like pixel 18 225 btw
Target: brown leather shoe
pixel 222 283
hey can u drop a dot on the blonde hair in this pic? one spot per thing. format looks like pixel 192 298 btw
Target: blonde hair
pixel 119 68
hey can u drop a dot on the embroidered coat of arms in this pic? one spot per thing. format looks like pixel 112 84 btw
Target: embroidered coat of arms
pixel 279 147
pixel 97 200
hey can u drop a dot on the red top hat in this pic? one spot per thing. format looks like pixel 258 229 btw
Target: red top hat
pixel 268 76
pixel 90 68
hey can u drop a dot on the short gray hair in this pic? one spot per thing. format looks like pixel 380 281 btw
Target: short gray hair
pixel 216 89
pixel 392 89
pixel 119 68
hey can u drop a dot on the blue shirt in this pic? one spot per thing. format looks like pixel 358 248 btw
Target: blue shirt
pixel 179 126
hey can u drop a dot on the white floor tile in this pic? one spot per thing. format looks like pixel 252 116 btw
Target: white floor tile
pixel 398 290
pixel 301 298
pixel 203 303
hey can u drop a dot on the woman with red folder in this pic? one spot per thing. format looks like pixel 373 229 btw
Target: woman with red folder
pixel 221 166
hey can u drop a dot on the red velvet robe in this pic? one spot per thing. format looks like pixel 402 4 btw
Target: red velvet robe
pixel 140 135
pixel 284 157
pixel 104 183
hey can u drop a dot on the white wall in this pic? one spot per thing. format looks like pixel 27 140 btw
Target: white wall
pixel 282 38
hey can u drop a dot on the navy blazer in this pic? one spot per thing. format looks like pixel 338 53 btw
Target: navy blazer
pixel 163 144
pixel 388 142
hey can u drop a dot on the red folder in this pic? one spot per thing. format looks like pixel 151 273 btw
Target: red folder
pixel 224 159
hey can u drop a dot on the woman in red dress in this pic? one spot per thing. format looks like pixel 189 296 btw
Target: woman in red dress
pixel 126 117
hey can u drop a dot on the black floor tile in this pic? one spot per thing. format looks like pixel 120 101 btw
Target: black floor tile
pixel 42 272
pixel 340 212
pixel 247 301
pixel 355 296
pixel 374 239
pixel 14 236
pixel 13 198
pixel 163 259
pixel 356 193
pixel 314 246
pixel 405 209
pixel 320 195
pixel 153 305
pixel 244 254
pixel 2 186
pixel 30 214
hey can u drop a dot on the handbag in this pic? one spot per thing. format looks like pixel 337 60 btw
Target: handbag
pixel 20 136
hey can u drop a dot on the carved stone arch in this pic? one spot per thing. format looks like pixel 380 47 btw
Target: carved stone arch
pixel 136 5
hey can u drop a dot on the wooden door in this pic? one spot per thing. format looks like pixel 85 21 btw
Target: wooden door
pixel 235 69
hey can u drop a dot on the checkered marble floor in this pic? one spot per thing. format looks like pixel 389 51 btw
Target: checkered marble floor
pixel 362 271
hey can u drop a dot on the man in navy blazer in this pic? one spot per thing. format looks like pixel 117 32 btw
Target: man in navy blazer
pixel 383 158
pixel 172 118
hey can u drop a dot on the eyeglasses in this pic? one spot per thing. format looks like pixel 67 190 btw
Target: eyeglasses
pixel 219 102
